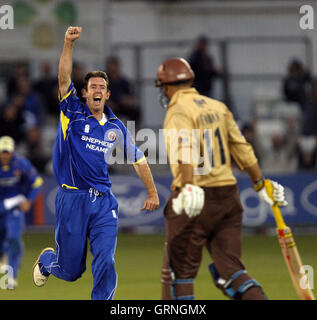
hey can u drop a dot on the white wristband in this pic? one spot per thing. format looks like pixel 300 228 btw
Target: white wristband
pixel 10 203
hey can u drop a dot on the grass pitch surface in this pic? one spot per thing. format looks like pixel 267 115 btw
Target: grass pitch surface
pixel 138 264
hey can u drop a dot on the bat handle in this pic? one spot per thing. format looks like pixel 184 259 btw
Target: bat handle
pixel 278 217
pixel 275 208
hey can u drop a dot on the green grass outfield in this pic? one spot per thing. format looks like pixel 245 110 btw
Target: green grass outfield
pixel 138 264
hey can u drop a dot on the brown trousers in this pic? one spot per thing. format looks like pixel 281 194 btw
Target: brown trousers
pixel 218 228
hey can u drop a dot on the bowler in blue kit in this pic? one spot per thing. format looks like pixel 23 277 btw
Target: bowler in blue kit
pixel 85 206
pixel 19 185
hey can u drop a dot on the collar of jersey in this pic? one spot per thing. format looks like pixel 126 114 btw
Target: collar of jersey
pixel 180 92
pixel 109 114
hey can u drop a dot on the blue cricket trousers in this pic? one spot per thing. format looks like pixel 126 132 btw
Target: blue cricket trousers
pixel 82 215
pixel 11 229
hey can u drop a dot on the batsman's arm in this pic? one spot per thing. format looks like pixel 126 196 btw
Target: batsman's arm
pixel 143 171
pixel 66 59
pixel 186 171
pixel 241 150
pixel 254 172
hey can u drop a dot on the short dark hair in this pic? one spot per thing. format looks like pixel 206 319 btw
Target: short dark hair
pixel 95 74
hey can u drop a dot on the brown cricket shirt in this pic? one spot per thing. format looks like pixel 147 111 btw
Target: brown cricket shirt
pixel 202 131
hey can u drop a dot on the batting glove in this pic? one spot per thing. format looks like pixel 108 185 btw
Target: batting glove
pixel 271 192
pixel 191 199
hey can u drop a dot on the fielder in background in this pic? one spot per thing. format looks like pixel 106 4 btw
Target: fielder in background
pixel 85 206
pixel 204 208
pixel 19 185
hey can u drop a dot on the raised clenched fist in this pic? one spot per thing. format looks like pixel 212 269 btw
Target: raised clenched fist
pixel 72 33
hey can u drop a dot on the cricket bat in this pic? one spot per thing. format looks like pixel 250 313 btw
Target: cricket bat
pixel 291 256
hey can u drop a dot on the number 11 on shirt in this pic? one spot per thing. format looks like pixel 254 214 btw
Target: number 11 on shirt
pixel 208 147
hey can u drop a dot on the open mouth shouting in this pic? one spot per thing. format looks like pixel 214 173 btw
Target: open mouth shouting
pixel 97 100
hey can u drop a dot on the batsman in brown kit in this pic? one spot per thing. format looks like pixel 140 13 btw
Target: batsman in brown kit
pixel 204 209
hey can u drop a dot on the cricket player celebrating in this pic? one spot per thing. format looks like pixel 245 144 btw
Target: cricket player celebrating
pixel 85 206
pixel 19 185
pixel 204 208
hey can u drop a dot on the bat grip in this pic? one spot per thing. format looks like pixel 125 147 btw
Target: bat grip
pixel 278 217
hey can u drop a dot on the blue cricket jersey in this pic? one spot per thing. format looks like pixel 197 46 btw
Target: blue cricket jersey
pixel 84 145
pixel 19 177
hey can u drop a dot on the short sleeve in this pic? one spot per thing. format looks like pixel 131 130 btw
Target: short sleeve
pixel 70 102
pixel 70 107
pixel 33 181
pixel 240 149
pixel 132 153
pixel 28 170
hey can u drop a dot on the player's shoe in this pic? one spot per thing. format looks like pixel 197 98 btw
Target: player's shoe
pixel 38 278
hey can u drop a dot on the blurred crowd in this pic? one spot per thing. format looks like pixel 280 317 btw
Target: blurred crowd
pixel 284 142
